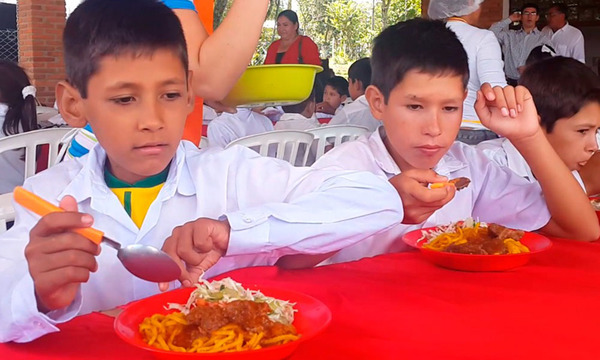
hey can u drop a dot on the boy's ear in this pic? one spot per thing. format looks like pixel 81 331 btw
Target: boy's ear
pixel 70 104
pixel 343 97
pixel 376 101
pixel 466 93
pixel 190 91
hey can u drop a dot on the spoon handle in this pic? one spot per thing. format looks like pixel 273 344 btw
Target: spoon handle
pixel 41 207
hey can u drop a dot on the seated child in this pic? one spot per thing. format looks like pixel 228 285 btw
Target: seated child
pixel 357 112
pixel 334 95
pixel 568 103
pixel 299 116
pixel 228 127
pixel 218 210
pixel 17 115
pixel 537 54
pixel 420 73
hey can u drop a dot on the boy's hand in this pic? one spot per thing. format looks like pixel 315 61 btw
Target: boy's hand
pixel 508 111
pixel 196 246
pixel 60 260
pixel 418 201
pixel 324 107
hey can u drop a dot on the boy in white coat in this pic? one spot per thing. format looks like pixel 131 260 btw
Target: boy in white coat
pixel 217 210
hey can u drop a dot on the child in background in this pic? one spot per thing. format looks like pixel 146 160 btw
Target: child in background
pixel 420 73
pixel 538 54
pixel 17 115
pixel 357 112
pixel 228 127
pixel 217 210
pixel 334 95
pixel 299 116
pixel 568 103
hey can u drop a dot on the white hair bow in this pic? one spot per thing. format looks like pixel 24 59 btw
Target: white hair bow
pixel 28 90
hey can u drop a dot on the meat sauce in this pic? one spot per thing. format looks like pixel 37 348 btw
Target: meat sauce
pixel 488 241
pixel 251 316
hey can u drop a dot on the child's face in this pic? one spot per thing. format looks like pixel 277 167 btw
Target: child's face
pixel 137 106
pixel 421 119
pixel 574 138
pixel 332 97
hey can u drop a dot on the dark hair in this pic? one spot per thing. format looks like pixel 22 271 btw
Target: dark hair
pixel 21 114
pixel 291 16
pixel 100 28
pixel 531 5
pixel 361 70
pixel 560 87
pixel 561 7
pixel 538 54
pixel 423 45
pixel 300 107
pixel 339 84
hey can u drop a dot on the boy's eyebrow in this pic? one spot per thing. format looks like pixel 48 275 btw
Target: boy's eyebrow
pixel 417 98
pixel 131 85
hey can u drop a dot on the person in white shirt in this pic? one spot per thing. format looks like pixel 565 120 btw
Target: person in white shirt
pixel 568 103
pixel 357 112
pixel 485 59
pixel 17 115
pixel 518 44
pixel 567 39
pixel 419 76
pixel 335 94
pixel 228 127
pixel 217 209
pixel 299 116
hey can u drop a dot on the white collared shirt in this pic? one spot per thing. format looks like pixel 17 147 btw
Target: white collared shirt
pixel 485 65
pixel 228 127
pixel 495 194
pixel 273 208
pixel 504 153
pixel 291 121
pixel 356 113
pixel 568 41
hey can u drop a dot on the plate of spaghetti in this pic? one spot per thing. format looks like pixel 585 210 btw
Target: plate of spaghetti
pixel 222 320
pixel 476 246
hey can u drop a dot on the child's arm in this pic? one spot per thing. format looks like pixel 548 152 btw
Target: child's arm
pixel 590 174
pixel 511 112
pixel 60 260
pixel 217 61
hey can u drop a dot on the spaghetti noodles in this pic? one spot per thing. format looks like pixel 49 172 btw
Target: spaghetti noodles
pixel 221 316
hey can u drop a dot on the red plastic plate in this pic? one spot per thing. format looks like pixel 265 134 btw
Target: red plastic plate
pixel 311 319
pixel 535 242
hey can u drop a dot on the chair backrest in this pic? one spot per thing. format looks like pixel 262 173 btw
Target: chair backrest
pixel 7 212
pixel 29 141
pixel 289 145
pixel 327 137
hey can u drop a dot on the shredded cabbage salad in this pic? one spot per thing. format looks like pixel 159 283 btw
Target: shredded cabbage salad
pixel 596 204
pixel 228 290
pixel 430 235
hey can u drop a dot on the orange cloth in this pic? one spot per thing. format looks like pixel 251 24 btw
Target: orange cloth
pixel 193 123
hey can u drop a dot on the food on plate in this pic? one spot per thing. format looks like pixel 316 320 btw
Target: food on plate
pixel 478 238
pixel 596 204
pixel 460 183
pixel 221 316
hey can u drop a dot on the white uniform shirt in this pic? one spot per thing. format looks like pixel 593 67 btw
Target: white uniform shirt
pixel 228 127
pixel 356 113
pixel 273 208
pixel 289 121
pixel 495 194
pixel 485 65
pixel 12 168
pixel 568 41
pixel 504 153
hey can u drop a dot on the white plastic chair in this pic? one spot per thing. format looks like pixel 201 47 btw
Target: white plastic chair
pixel 7 212
pixel 29 141
pixel 289 145
pixel 334 135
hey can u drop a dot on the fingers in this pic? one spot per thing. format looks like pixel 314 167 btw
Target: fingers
pixel 481 108
pixel 500 101
pixel 511 101
pixel 58 222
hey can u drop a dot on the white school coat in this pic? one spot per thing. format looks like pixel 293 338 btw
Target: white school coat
pixel 504 153
pixel 495 194
pixel 228 127
pixel 273 208
pixel 356 113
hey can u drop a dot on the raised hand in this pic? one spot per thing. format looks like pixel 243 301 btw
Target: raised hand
pixel 196 246
pixel 60 260
pixel 418 201
pixel 508 111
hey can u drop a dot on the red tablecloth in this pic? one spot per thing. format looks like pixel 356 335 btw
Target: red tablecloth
pixel 399 306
